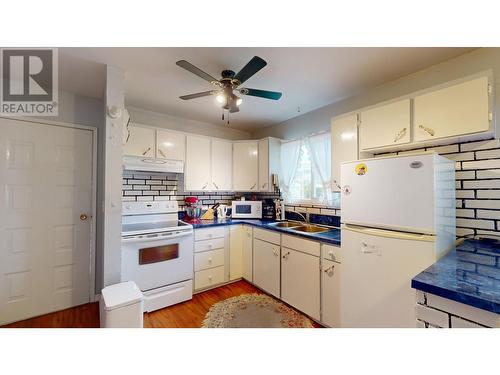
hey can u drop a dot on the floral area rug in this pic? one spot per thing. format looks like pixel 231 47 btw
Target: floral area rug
pixel 254 311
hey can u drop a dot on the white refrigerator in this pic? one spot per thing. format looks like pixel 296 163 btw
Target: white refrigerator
pixel 398 218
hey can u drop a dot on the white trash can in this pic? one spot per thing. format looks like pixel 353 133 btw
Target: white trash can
pixel 121 306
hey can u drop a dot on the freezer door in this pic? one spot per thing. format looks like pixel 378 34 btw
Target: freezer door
pixel 377 268
pixel 393 193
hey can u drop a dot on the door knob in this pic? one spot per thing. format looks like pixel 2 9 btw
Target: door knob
pixel 83 217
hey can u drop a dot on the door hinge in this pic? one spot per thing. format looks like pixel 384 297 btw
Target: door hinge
pixel 490 116
pixel 490 89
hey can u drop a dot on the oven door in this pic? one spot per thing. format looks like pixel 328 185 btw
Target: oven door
pixel 157 260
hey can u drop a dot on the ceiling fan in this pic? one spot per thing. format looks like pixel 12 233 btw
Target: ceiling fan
pixel 230 82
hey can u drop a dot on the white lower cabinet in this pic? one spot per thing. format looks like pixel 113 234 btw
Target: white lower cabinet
pixel 235 252
pixel 300 281
pixel 266 266
pixel 247 254
pixel 330 293
pixel 211 254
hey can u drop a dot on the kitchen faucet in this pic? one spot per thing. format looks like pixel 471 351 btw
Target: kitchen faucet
pixel 306 217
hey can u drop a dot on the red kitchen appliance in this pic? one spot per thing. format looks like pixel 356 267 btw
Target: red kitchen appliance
pixel 193 210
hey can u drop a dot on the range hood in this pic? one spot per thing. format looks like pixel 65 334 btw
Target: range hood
pixel 137 163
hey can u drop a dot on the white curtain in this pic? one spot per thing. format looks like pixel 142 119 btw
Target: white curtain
pixel 290 152
pixel 321 150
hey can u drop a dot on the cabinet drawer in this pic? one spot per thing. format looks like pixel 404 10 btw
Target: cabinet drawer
pixel 209 233
pixel 331 253
pixel 300 244
pixel 206 278
pixel 206 245
pixel 208 259
pixel 266 235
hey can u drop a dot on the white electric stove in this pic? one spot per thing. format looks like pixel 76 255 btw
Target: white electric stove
pixel 157 252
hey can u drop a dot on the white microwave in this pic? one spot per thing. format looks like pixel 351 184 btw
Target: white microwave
pixel 246 210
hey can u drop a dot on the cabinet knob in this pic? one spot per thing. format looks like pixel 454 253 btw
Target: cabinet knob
pixel 204 186
pixel 400 134
pixel 83 217
pixel 285 256
pixel 162 153
pixel 210 278
pixel 210 260
pixel 147 150
pixel 253 186
pixel 215 185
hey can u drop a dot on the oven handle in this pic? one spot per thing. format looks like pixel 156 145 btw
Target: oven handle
pixel 157 237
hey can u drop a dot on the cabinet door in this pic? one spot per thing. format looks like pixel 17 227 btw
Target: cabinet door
pixel 141 142
pixel 198 175
pixel 266 266
pixel 170 145
pixel 245 166
pixel 247 255
pixel 387 125
pixel 300 281
pixel 235 252
pixel 222 158
pixel 344 144
pixel 330 293
pixel 452 111
pixel 264 165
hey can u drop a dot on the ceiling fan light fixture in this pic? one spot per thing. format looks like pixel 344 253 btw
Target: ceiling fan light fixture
pixel 239 101
pixel 221 99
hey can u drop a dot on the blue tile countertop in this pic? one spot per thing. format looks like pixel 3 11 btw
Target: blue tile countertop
pixel 332 236
pixel 469 274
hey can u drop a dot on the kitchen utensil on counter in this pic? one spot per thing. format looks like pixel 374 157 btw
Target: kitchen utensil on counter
pixel 222 211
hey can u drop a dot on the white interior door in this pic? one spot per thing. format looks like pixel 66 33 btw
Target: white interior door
pixel 45 191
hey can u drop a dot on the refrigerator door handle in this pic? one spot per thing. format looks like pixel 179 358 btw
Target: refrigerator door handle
pixel 388 233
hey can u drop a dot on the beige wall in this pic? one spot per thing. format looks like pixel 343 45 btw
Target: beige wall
pixel 190 126
pixel 470 63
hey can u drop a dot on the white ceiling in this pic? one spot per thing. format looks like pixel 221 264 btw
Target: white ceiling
pixel 309 78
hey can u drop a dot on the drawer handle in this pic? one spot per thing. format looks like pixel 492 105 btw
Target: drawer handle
pixel 427 130
pixel 400 134
pixel 210 278
pixel 329 269
pixel 286 255
pixel 210 260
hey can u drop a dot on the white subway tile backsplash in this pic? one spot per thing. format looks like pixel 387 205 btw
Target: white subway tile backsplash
pixel 466 175
pixel 488 194
pixel 489 154
pixel 464 213
pixel 461 232
pixel 482 164
pixel 482 145
pixel 478 224
pixel 482 184
pixel 464 193
pixel 491 204
pixel 461 156
pixel 489 173
pixel 488 214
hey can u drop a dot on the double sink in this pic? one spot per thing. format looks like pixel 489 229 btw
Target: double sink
pixel 300 227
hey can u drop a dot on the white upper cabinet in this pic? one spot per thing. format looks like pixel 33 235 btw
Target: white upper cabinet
pixel 140 142
pixel 170 145
pixel 386 125
pixel 453 111
pixel 269 162
pixel 245 166
pixel 197 175
pixel 344 131
pixel 222 157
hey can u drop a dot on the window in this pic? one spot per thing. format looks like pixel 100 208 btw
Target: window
pixel 306 170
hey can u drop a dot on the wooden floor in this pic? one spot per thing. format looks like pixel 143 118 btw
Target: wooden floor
pixel 188 314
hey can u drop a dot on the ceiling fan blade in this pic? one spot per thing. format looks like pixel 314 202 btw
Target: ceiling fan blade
pixel 193 69
pixel 197 95
pixel 252 67
pixel 273 95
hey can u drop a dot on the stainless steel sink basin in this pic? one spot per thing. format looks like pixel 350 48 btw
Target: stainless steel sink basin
pixel 286 224
pixel 310 229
